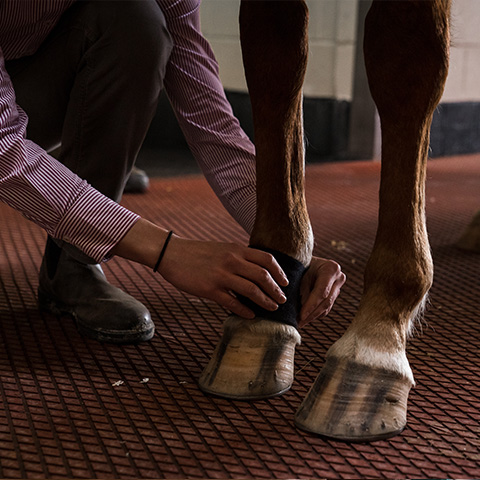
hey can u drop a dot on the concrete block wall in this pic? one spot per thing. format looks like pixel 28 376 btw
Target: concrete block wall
pixel 332 39
pixel 339 115
pixel 220 26
pixel 330 72
pixel 456 124
pixel 463 83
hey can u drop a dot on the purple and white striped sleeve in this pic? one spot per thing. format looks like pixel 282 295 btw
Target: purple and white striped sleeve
pixel 49 194
pixel 222 149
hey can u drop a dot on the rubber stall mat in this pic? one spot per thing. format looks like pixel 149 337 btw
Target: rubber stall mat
pixel 74 408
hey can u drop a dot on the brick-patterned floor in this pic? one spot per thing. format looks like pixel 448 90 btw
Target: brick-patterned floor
pixel 74 408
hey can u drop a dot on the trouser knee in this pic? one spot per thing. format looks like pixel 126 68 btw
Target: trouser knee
pixel 125 65
pixel 93 86
pixel 144 42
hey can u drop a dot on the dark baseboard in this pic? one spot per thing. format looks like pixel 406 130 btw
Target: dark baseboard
pixel 326 125
pixel 455 127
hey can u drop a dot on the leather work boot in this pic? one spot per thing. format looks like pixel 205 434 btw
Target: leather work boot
pixel 100 310
pixel 138 181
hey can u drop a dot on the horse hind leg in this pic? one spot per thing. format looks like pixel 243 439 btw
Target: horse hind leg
pixel 361 393
pixel 470 238
pixel 254 359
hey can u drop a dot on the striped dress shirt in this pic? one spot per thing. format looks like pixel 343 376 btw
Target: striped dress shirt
pixel 66 206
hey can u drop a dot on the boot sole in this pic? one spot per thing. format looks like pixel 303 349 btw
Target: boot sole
pixel 47 303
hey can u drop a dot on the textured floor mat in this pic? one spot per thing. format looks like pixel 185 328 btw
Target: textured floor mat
pixel 74 408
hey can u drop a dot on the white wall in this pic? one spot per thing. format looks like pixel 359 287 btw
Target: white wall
pixel 220 26
pixel 332 37
pixel 332 45
pixel 463 83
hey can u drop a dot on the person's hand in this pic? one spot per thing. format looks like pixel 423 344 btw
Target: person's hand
pixel 215 270
pixel 319 289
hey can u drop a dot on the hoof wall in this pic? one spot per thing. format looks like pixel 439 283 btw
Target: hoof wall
pixel 253 360
pixel 355 403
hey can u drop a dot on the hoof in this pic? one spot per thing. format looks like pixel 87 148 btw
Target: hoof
pixel 470 239
pixel 355 403
pixel 253 360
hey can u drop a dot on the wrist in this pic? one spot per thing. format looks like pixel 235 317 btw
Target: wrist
pixel 162 251
pixel 142 243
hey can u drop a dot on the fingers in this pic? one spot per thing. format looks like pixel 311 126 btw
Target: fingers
pixel 327 281
pixel 254 274
pixel 321 307
pixel 229 302
pixel 269 262
pixel 233 268
pixel 212 270
pixel 253 292
pixel 259 286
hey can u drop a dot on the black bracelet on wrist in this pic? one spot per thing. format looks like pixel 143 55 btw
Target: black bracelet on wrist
pixel 162 253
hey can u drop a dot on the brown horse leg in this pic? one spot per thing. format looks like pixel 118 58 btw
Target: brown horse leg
pixel 255 358
pixel 361 393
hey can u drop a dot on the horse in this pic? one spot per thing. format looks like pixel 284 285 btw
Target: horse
pixel 361 393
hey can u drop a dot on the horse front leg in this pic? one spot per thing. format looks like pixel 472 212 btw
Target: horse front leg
pixel 361 392
pixel 254 359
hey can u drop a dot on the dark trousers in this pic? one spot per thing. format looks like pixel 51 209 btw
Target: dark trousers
pixel 93 87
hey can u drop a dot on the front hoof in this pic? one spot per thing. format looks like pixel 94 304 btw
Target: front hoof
pixel 355 403
pixel 253 360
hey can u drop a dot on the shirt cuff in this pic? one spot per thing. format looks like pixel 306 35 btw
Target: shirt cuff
pixel 95 224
